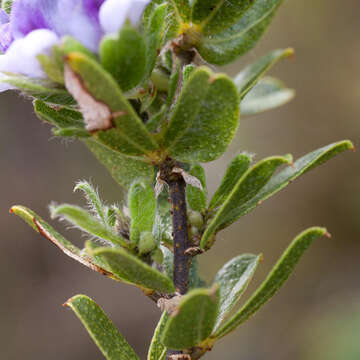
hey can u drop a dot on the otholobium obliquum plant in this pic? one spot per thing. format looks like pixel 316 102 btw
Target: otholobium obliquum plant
pixel 132 80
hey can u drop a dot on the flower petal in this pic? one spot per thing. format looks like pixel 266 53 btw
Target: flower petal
pixel 113 13
pixel 67 17
pixel 21 57
pixel 5 37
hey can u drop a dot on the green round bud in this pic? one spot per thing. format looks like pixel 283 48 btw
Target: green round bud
pixel 147 242
pixel 158 256
pixel 195 218
pixel 194 231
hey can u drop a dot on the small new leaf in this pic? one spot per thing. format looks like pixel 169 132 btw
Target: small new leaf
pixel 87 222
pixel 142 207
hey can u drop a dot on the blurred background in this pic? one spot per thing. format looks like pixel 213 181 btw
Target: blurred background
pixel 315 316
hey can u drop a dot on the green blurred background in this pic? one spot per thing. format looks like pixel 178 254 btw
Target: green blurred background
pixel 315 316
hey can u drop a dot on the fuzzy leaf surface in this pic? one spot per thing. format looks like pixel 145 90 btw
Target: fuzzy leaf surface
pixel 194 320
pixel 286 176
pixel 205 118
pixel 157 351
pixel 41 90
pixel 101 329
pixel 246 188
pixel 123 55
pixel 249 77
pixel 196 197
pixel 154 34
pixel 233 279
pixel 47 231
pixel 87 222
pixel 237 168
pixel 213 16
pixel 129 136
pixel 142 207
pixel 267 94
pixel 125 170
pixel 62 117
pixel 226 46
pixel 277 277
pixel 131 269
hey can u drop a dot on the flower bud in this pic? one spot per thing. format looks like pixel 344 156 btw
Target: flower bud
pixel 147 242
pixel 158 256
pixel 195 218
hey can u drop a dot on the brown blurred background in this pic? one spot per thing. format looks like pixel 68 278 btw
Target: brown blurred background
pixel 315 316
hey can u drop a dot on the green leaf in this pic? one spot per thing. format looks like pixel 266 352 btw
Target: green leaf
pixel 163 223
pixel 69 44
pixel 156 120
pixel 157 351
pixel 213 16
pixel 249 77
pixel 101 329
pixel 61 117
pixel 195 281
pixel 174 84
pixel 245 188
pixel 86 222
pixel 238 166
pixel 40 89
pixel 154 34
pixel 42 227
pixel 241 37
pixel 205 118
pixel 131 269
pixel 129 136
pixel 51 68
pixel 193 321
pixel 6 5
pixel 176 13
pixel 196 197
pixel 93 199
pixel 123 55
pixel 286 176
pixel 278 275
pixel 71 132
pixel 142 207
pixel 233 280
pixel 267 94
pixel 124 170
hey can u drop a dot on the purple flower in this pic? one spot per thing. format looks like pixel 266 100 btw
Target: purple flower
pixel 35 26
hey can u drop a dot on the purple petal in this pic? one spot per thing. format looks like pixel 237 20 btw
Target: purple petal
pixel 21 57
pixel 113 13
pixel 65 17
pixel 29 15
pixel 5 37
pixel 4 17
